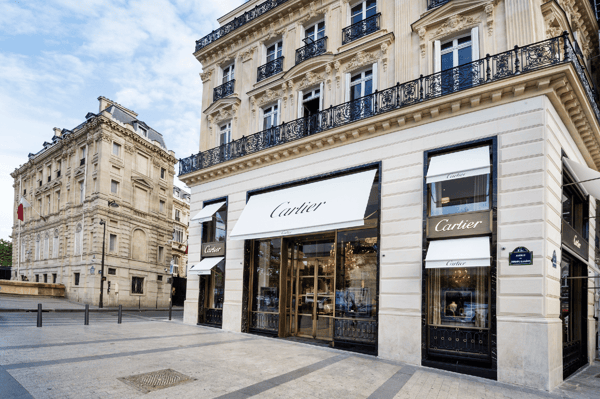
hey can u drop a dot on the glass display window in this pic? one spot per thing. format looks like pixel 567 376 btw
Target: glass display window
pixel 574 206
pixel 215 230
pixel 267 262
pixel 468 194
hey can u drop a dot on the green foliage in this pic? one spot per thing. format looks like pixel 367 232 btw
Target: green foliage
pixel 5 252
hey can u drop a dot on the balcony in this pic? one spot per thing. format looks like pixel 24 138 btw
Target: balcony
pixel 436 3
pixel 238 22
pixel 516 62
pixel 226 89
pixel 361 29
pixel 269 69
pixel 311 50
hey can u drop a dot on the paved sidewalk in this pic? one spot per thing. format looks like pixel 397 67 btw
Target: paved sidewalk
pixel 77 361
pixel 13 303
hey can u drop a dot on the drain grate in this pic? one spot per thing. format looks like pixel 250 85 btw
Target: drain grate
pixel 155 380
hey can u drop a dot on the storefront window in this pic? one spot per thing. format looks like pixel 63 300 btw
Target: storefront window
pixel 458 297
pixel 573 206
pixel 216 294
pixel 468 194
pixel 266 275
pixel 215 230
pixel 356 285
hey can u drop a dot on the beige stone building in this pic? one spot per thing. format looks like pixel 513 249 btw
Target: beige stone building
pixel 111 168
pixel 181 221
pixel 410 179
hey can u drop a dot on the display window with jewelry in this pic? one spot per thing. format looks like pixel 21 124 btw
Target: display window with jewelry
pixel 211 269
pixel 317 280
pixel 458 265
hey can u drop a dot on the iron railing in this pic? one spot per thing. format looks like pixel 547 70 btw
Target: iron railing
pixel 269 69
pixel 226 89
pixel 361 28
pixel 511 63
pixel 436 3
pixel 238 22
pixel 311 50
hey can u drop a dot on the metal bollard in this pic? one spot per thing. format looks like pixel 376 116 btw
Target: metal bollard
pixel 120 318
pixel 39 315
pixel 170 308
pixel 86 317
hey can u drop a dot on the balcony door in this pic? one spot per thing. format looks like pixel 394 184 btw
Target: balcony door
pixel 274 51
pixel 228 73
pixel 454 57
pixel 363 10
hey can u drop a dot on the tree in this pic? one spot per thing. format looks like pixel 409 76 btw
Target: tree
pixel 5 252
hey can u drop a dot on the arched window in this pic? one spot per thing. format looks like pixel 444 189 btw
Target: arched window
pixel 78 239
pixel 46 245
pixel 55 244
pixel 138 245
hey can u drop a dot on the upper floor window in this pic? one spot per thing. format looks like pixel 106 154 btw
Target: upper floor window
pixel 312 102
pixel 459 182
pixel 225 133
pixel 143 131
pixel 315 32
pixel 178 215
pixel 574 205
pixel 363 10
pixel 274 51
pixel 456 52
pixel 270 116
pixel 228 73
pixel 116 149
pixel 178 234
pixel 361 84
pixel 215 230
pixel 58 168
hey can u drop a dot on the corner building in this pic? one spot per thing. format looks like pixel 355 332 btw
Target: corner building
pixel 402 179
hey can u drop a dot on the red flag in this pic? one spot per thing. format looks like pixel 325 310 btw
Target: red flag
pixel 186 249
pixel 20 212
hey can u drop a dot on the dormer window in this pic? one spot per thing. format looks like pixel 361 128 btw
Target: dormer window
pixel 143 132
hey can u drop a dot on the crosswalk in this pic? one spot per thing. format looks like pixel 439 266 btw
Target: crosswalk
pixel 29 319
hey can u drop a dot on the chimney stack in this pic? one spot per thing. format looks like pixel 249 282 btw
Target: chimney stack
pixel 57 132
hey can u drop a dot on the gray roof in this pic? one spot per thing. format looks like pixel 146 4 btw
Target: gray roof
pixel 124 117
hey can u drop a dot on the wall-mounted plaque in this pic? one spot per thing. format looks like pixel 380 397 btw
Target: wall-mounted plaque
pixel 554 260
pixel 460 225
pixel 213 249
pixel 521 256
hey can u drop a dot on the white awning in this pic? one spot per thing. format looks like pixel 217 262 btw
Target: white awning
pixel 206 214
pixel 582 175
pixel 321 206
pixel 205 266
pixel 461 252
pixel 457 165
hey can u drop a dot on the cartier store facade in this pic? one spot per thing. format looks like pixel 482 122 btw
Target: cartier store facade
pixel 448 244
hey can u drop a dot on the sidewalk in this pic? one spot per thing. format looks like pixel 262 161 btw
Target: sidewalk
pixel 13 303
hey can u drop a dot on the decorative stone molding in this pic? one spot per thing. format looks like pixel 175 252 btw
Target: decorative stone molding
pixel 129 148
pixel 269 96
pixel 422 32
pixel 360 59
pixel 489 11
pixel 205 76
pixel 310 79
pixel 454 24
pixel 248 54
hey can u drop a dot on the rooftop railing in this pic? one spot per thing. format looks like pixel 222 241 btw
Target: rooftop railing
pixel 492 68
pixel 269 69
pixel 311 50
pixel 226 89
pixel 238 22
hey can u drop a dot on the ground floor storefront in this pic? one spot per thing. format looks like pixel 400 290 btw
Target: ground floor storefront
pixel 462 244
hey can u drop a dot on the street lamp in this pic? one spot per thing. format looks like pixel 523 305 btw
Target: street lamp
pixel 103 223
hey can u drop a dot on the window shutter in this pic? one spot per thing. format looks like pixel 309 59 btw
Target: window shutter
pixel 300 104
pixel 475 43
pixel 437 56
pixel 322 94
pixel 374 77
pixel 278 112
pixel 347 87
pixel 261 119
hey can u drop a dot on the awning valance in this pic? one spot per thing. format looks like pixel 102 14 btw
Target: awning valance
pixel 588 178
pixel 320 206
pixel 206 214
pixel 461 252
pixel 457 165
pixel 205 266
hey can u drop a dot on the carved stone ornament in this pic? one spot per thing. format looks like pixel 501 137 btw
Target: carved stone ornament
pixel 106 137
pixel 130 149
pixel 553 27
pixel 269 96
pixel 205 76
pixel 454 24
pixel 422 40
pixel 489 11
pixel 360 59
pixel 248 54
pixel 310 79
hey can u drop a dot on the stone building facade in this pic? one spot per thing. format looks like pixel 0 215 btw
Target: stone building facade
pixel 181 221
pixel 111 168
pixel 403 178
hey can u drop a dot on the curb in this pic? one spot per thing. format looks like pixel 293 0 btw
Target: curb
pixel 83 310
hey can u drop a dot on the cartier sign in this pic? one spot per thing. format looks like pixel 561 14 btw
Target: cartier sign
pixel 574 241
pixel 459 225
pixel 213 249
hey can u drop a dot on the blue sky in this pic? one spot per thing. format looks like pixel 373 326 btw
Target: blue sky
pixel 58 56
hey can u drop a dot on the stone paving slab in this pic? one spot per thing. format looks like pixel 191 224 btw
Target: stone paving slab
pixel 75 361
pixel 13 303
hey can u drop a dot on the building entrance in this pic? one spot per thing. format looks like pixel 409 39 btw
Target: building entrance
pixel 312 295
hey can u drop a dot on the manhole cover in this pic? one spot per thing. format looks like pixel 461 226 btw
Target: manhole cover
pixel 156 380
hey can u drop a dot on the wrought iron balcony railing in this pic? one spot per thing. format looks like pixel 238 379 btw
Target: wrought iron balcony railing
pixel 238 22
pixel 436 3
pixel 511 63
pixel 226 89
pixel 269 69
pixel 311 50
pixel 360 29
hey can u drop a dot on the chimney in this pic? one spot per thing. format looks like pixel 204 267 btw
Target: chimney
pixel 104 103
pixel 57 132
